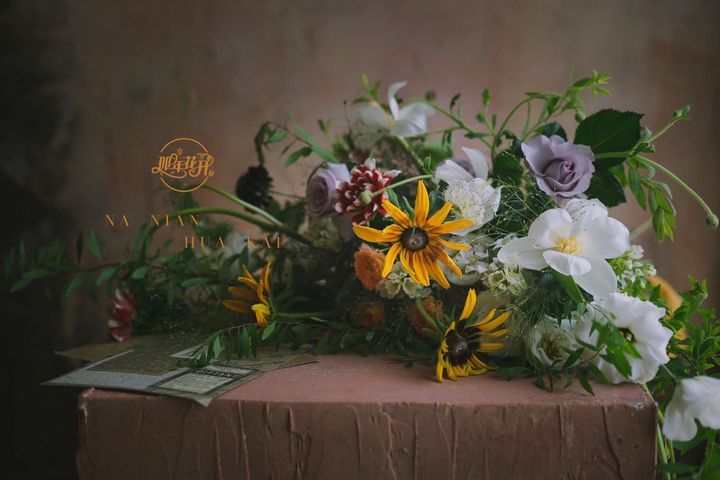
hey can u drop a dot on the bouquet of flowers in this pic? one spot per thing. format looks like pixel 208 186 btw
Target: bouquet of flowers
pixel 498 256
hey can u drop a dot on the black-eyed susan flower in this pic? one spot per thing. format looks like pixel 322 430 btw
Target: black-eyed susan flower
pixel 459 348
pixel 253 296
pixel 418 241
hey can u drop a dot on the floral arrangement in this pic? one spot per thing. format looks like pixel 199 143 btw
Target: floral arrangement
pixel 498 256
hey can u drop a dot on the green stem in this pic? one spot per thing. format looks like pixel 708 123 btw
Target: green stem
pixel 288 195
pixel 613 155
pixel 243 216
pixel 403 182
pixel 460 123
pixel 499 131
pixel 640 229
pixel 663 454
pixel 712 219
pixel 418 161
pixel 242 203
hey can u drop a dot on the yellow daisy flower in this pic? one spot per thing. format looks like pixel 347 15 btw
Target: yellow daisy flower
pixel 459 348
pixel 417 241
pixel 253 296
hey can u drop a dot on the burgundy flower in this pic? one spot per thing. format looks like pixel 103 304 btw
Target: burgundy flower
pixel 355 196
pixel 122 315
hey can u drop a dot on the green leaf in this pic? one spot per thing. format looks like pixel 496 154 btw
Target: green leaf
pixel 305 135
pixel 140 272
pixel 267 331
pixel 582 377
pixel 605 187
pixel 277 136
pixel 636 187
pixel 20 284
pixel 297 155
pixel 195 282
pixel 37 273
pixel 326 155
pixel 568 284
pixel 554 128
pixel 609 131
pixel 93 244
pixel 507 168
pixel 106 275
pixel 74 284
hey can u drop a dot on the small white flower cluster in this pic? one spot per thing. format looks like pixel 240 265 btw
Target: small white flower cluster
pixel 398 282
pixel 632 271
pixel 503 278
pixel 473 262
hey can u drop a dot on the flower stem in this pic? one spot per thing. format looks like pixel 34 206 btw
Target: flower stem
pixel 243 203
pixel 663 454
pixel 403 182
pixel 711 219
pixel 418 161
pixel 460 123
pixel 243 216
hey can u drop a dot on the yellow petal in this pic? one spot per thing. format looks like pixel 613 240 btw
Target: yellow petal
pixel 439 369
pixel 421 271
pixel 439 216
pixel 266 276
pixel 422 205
pixel 436 273
pixel 451 226
pixel 469 304
pixel 450 371
pixel 406 262
pixel 390 258
pixel 453 245
pixel 442 256
pixel 372 235
pixel 486 326
pixel 393 232
pixel 490 347
pixel 496 334
pixel 398 215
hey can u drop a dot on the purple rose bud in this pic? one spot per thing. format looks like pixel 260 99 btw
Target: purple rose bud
pixel 562 169
pixel 322 187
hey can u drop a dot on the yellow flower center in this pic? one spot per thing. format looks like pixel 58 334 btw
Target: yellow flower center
pixel 567 245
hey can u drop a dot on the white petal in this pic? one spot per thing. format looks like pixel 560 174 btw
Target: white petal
pixel 373 116
pixel 522 252
pixel 550 227
pixel 416 109
pixel 565 263
pixel 604 237
pixel 679 425
pixel 409 126
pixel 478 161
pixel 449 171
pixel 600 281
pixel 583 212
pixel 392 101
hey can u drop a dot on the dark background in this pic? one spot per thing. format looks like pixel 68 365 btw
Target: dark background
pixel 89 93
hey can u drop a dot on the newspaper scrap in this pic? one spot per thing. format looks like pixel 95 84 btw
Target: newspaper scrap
pixel 151 366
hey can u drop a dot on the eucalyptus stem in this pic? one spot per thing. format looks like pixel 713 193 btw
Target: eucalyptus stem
pixel 403 182
pixel 712 219
pixel 243 203
pixel 418 161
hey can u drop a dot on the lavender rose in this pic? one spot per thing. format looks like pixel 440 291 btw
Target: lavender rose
pixel 562 169
pixel 322 187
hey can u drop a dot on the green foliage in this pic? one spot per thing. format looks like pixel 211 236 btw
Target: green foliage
pixel 609 131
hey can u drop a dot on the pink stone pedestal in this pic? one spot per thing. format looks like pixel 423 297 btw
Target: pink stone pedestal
pixel 349 417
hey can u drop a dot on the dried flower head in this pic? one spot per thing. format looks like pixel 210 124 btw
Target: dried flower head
pixel 368 266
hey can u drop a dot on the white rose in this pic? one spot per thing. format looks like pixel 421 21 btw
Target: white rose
pixel 549 340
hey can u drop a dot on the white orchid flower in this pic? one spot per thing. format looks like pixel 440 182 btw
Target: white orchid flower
pixel 575 241
pixel 695 398
pixel 462 170
pixel 408 121
pixel 640 320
